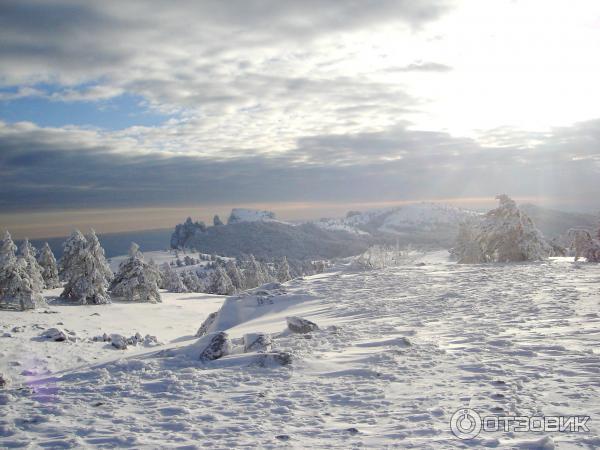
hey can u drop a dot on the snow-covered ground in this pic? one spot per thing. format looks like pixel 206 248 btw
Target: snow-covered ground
pixel 399 350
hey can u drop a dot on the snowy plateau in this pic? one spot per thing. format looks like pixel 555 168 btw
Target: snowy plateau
pixel 397 351
pixel 377 348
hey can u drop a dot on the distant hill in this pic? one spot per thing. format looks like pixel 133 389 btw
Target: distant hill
pixel 271 239
pixel 425 225
pixel 555 223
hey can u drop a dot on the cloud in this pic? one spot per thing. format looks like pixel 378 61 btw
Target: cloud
pixel 84 168
pixel 421 67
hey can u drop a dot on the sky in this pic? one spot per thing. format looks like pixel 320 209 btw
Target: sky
pixel 112 111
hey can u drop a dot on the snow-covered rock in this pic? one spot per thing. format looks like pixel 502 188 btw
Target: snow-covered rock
pixel 55 334
pixel 4 380
pixel 206 324
pixel 121 342
pixel 118 341
pixel 300 325
pixel 269 359
pixel 257 342
pixel 249 215
pixel 218 346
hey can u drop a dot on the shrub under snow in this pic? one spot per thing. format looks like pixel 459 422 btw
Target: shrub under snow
pixel 504 234
pixel 17 287
pixel 85 270
pixel 137 280
pixel 584 244
pixel 47 262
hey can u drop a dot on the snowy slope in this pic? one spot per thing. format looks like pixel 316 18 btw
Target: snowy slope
pixel 423 217
pixel 399 350
pixel 419 217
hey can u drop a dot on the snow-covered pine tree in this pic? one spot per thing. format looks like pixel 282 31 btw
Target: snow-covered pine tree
pixel 17 289
pixel 592 252
pixel 192 282
pixel 136 281
pixel 217 222
pixel 254 274
pixel 73 248
pixel 171 279
pixel 8 251
pixel 34 271
pixel 283 271
pixel 504 234
pixel 47 262
pixel 157 270
pixel 85 270
pixel 220 283
pixel 234 274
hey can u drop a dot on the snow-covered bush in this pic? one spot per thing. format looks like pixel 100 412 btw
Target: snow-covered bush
pixel 34 271
pixel 47 262
pixel 254 274
pixel 467 250
pixel 377 257
pixel 584 244
pixel 220 283
pixel 172 282
pixel 234 274
pixel 136 279
pixel 283 271
pixel 85 270
pixel 17 288
pixel 192 282
pixel 504 234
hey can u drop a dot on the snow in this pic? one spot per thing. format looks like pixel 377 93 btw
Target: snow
pixel 397 352
pixel 424 216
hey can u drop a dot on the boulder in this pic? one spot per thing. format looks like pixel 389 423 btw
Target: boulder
pixel 55 334
pixel 206 324
pixel 218 346
pixel 4 380
pixel 118 341
pixel 274 359
pixel 300 325
pixel 257 342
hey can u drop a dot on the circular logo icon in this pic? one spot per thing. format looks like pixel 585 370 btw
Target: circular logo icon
pixel 465 423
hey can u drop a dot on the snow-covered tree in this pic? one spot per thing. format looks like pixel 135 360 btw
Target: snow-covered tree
pixel 171 280
pixel 467 249
pixel 47 262
pixel 283 271
pixel 157 270
pixel 192 282
pixel 85 270
pixel 584 244
pixel 136 280
pixel 504 234
pixel 73 248
pixel 17 288
pixel 28 253
pixel 8 251
pixel 217 222
pixel 235 274
pixel 253 273
pixel 220 283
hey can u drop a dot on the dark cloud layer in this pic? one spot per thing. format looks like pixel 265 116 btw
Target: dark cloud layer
pixel 40 170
